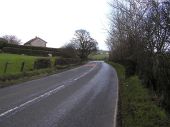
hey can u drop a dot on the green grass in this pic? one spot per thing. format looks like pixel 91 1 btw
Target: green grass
pixel 15 62
pixel 14 74
pixel 98 56
pixel 136 106
pixel 120 70
pixel 12 79
pixel 53 61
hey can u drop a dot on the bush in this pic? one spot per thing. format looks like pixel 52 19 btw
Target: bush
pixel 42 63
pixel 61 66
pixel 60 61
pixel 65 61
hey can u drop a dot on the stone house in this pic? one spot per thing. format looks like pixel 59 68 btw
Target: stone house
pixel 36 42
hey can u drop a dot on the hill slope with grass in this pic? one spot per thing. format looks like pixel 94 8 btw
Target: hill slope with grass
pixel 14 63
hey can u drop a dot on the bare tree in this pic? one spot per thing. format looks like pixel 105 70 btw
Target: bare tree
pixel 140 39
pixel 125 33
pixel 12 39
pixel 83 43
pixel 69 51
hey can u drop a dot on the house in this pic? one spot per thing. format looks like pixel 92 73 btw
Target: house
pixel 36 42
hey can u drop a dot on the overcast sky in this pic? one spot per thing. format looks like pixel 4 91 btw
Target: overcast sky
pixel 54 20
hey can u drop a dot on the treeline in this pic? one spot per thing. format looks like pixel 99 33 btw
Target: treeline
pixel 139 38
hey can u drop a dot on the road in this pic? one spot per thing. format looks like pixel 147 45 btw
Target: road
pixel 82 97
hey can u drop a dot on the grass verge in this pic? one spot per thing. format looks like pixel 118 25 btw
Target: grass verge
pixel 136 109
pixel 15 63
pixel 13 79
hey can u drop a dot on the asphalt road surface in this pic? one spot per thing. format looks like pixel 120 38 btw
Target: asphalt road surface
pixel 82 97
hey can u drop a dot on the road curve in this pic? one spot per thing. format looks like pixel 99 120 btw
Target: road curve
pixel 82 97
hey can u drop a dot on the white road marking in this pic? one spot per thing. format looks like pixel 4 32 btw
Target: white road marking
pixel 45 94
pixel 84 74
pixel 33 100
pixel 116 106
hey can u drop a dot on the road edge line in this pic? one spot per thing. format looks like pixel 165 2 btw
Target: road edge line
pixel 116 106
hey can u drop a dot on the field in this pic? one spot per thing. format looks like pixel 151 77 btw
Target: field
pixel 15 63
pixel 98 56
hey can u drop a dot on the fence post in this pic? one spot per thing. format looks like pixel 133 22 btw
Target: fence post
pixel 6 66
pixel 22 66
pixel 35 65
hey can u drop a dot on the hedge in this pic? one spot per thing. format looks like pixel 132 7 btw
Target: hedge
pixel 25 51
pixel 6 47
pixel 42 63
pixel 53 51
pixel 65 61
pixel 29 47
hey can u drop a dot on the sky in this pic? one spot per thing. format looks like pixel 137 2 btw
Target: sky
pixel 55 21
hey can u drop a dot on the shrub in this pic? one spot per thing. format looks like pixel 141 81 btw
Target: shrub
pixel 42 63
pixel 65 61
pixel 61 66
pixel 60 61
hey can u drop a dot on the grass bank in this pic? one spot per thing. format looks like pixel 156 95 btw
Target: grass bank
pixel 15 63
pixel 136 109
pixel 12 79
pixel 14 75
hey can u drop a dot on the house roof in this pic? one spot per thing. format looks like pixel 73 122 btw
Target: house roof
pixel 29 42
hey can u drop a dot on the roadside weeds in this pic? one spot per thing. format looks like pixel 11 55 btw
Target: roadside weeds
pixel 135 107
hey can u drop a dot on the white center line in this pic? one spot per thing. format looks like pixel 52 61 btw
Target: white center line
pixel 84 74
pixel 44 95
pixel 32 100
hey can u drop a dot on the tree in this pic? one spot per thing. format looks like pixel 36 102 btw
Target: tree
pixel 69 51
pixel 140 39
pixel 83 43
pixel 12 39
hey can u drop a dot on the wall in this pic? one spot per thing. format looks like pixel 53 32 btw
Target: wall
pixel 38 42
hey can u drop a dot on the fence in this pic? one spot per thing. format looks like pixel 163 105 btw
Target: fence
pixel 15 67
